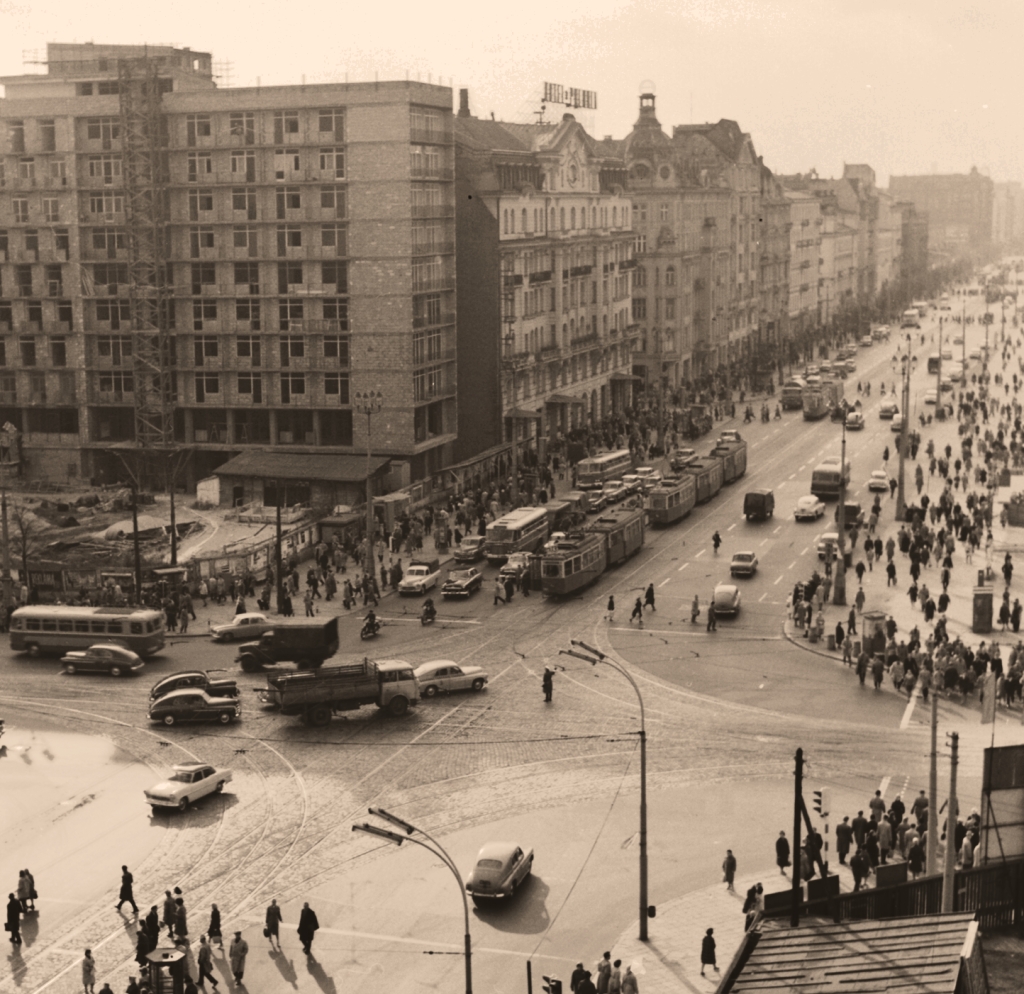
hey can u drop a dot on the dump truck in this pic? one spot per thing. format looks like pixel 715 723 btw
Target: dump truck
pixel 305 643
pixel 316 695
pixel 733 453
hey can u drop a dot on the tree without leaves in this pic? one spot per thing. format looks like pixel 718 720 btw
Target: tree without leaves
pixel 26 534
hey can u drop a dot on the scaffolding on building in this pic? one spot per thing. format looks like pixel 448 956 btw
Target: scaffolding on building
pixel 146 177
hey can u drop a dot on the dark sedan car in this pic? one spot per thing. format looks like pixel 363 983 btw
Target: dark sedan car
pixel 114 660
pixel 462 582
pixel 194 705
pixel 471 549
pixel 193 679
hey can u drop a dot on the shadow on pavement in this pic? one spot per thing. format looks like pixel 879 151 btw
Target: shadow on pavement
pixel 525 914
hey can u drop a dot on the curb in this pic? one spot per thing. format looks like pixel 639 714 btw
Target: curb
pixel 799 643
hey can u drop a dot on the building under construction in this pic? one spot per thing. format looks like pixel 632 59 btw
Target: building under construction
pixel 189 274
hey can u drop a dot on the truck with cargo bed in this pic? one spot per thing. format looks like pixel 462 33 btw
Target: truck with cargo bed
pixel 305 643
pixel 316 695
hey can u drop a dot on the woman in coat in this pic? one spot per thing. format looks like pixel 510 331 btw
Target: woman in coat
pixel 14 919
pixel 214 930
pixel 237 953
pixel 180 923
pixel 89 973
pixel 707 951
pixel 142 948
pixel 307 928
pixel 782 852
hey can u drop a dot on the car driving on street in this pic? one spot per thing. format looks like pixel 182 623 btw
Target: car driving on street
pixel 471 550
pixel 462 582
pixel 726 598
pixel 187 784
pixel 809 508
pixel 242 627
pixel 443 676
pixel 888 409
pixel 499 871
pixel 194 705
pixel 197 679
pixel 114 660
pixel 854 421
pixel 878 480
pixel 743 564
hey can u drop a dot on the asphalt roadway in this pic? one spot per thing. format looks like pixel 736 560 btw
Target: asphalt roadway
pixel 724 713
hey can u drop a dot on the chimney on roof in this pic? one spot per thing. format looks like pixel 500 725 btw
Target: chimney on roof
pixel 464 103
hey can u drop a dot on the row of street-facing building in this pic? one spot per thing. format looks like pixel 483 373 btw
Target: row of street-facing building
pixel 231 273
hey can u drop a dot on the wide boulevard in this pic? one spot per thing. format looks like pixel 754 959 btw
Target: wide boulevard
pixel 725 712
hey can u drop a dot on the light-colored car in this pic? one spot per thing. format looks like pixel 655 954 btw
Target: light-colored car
pixel 931 396
pixel 442 676
pixel 420 577
pixel 827 539
pixel 614 491
pixel 866 341
pixel 812 370
pixel 471 550
pixel 499 871
pixel 631 482
pixel 897 423
pixel 192 704
pixel 947 354
pixel 959 340
pixel 246 627
pixel 809 508
pixel 888 409
pixel 726 598
pixel 878 480
pixel 516 565
pixel 649 477
pixel 743 564
pixel 462 582
pixel 728 435
pixel 854 420
pixel 200 679
pixel 851 365
pixel 114 660
pixel 186 785
pixel 682 458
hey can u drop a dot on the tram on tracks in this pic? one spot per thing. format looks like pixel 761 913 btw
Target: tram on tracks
pixel 578 559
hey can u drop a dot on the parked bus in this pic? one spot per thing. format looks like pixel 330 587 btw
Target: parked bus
pixel 58 628
pixel 825 479
pixel 523 530
pixel 593 473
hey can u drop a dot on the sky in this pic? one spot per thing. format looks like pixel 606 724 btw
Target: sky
pixel 907 86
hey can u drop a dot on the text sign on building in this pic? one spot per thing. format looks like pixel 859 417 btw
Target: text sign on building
pixel 571 96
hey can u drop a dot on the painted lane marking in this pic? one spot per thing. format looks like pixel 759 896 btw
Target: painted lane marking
pixel 804 553
pixel 764 543
pixel 731 527
pixel 681 568
pixel 791 565
pixel 663 582
pixel 777 582
pixel 777 530
pixel 699 554
pixel 762 597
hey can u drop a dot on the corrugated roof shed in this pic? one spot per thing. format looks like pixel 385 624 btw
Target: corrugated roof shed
pixel 894 956
pixel 318 466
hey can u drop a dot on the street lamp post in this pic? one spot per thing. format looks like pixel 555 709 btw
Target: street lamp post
pixel 510 342
pixel 369 402
pixel 7 549
pixel 438 850
pixel 599 657
pixel 839 587
pixel 901 496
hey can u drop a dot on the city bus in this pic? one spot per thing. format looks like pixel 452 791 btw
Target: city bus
pixel 525 529
pixel 58 628
pixel 593 473
pixel 826 481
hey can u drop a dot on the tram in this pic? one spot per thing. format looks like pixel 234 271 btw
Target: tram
pixel 577 560
pixel 672 499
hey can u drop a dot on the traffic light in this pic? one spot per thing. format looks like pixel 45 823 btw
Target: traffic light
pixel 821 801
pixel 552 985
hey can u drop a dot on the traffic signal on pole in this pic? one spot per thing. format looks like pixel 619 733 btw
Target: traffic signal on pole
pixel 821 801
pixel 552 985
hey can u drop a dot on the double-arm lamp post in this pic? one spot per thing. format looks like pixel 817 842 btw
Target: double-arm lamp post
pixel 438 850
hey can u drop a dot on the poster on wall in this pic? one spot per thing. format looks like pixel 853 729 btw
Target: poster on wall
pixel 1002 804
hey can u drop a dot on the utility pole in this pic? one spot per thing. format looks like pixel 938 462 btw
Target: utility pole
pixel 798 804
pixel 7 550
pixel 940 412
pixel 278 566
pixel 135 542
pixel 931 862
pixel 901 495
pixel 949 876
pixel 839 588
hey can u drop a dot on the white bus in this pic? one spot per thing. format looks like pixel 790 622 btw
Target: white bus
pixel 522 530
pixel 60 628
pixel 593 473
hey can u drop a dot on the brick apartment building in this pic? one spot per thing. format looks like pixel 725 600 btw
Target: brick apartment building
pixel 306 253
pixel 545 270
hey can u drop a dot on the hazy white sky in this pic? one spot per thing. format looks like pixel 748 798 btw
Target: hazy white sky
pixel 905 85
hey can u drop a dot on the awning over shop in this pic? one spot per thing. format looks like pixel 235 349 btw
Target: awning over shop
pixel 624 377
pixel 563 398
pixel 309 466
pixel 519 412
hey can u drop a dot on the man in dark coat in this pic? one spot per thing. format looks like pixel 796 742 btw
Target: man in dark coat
pixel 707 951
pixel 307 928
pixel 142 948
pixel 782 852
pixel 127 880
pixel 548 683
pixel 577 975
pixel 844 838
pixel 14 919
pixel 151 924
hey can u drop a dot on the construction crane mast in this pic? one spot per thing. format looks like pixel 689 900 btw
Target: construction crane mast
pixel 145 169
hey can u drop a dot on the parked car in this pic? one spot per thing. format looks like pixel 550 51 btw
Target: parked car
pixel 809 508
pixel 867 341
pixel 462 582
pixel 193 679
pixel 471 550
pixel 888 409
pixel 851 365
pixel 974 354
pixel 614 491
pixel 827 539
pixel 420 577
pixel 854 421
pixel 187 784
pixel 242 627
pixel 114 660
pixel 726 598
pixel 743 564
pixel 631 482
pixel 515 566
pixel 879 480
pixel 442 676
pixel 194 705
pixel 897 423
pixel 500 869
pixel 931 396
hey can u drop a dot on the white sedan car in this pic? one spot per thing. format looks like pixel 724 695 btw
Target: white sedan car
pixel 826 540
pixel 931 395
pixel 442 676
pixel 248 627
pixel 809 508
pixel 879 480
pixel 186 785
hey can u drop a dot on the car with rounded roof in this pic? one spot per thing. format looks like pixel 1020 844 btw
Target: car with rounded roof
pixel 931 396
pixel 192 704
pixel 499 871
pixel 614 491
pixel 462 582
pixel 248 626
pixel 194 679
pixel 826 540
pixel 682 458
pixel 471 550
pixel 443 676
pixel 743 564
pixel 866 341
pixel 515 566
pixel 888 409
pixel 187 784
pixel 809 508
pixel 878 481
pixel 105 657
pixel 854 420
pixel 974 354
pixel 726 598
pixel 897 423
